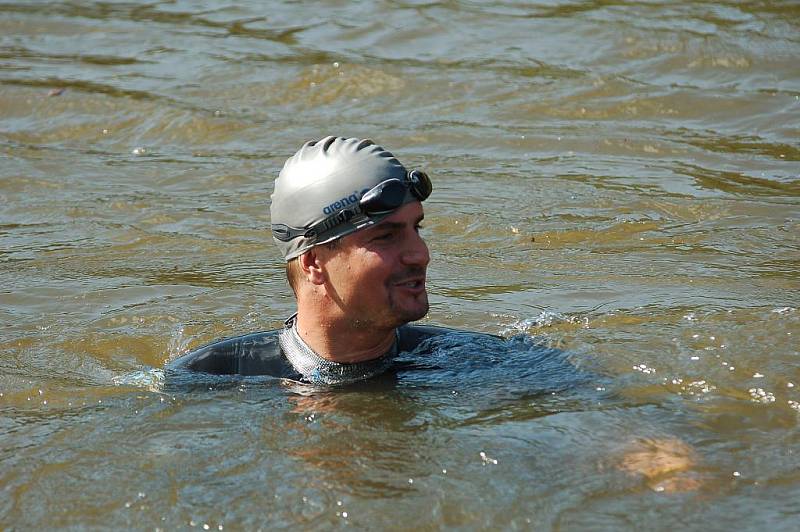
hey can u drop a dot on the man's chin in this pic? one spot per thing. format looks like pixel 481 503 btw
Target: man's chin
pixel 413 314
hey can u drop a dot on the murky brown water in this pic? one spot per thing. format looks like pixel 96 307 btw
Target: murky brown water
pixel 621 180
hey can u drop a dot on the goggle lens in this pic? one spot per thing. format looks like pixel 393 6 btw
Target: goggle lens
pixel 420 184
pixel 385 197
pixel 389 195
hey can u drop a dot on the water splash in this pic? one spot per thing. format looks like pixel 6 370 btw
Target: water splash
pixel 178 341
pixel 546 318
pixel 149 378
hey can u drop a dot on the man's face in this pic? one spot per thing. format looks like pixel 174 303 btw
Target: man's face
pixel 377 275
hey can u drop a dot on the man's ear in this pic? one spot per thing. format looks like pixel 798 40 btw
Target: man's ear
pixel 311 265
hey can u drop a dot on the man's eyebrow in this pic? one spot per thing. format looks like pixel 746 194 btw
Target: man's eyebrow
pixel 391 225
pixel 398 225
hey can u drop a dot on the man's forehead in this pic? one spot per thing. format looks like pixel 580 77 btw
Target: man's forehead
pixel 409 214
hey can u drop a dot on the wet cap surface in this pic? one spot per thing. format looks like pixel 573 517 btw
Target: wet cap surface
pixel 324 177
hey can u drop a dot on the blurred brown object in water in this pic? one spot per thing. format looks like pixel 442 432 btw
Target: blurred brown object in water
pixel 665 464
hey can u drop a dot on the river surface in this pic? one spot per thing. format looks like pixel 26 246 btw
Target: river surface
pixel 617 181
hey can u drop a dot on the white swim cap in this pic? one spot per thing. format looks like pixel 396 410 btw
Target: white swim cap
pixel 335 186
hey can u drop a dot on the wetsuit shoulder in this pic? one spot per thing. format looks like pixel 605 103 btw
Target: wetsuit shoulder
pixel 412 335
pixel 250 354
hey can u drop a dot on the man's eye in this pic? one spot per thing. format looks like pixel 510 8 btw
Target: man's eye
pixel 383 236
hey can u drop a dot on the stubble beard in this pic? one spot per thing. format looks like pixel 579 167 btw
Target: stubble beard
pixel 405 315
pixel 419 307
pixel 395 313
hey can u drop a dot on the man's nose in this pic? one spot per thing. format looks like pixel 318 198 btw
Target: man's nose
pixel 416 252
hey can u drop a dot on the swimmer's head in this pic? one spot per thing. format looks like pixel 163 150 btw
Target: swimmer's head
pixel 335 186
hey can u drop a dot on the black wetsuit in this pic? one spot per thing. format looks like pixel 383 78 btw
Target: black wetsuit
pixel 280 353
pixel 422 355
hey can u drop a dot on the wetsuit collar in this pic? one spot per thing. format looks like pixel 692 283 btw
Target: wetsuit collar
pixel 318 370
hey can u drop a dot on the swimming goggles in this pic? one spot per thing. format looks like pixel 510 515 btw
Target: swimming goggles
pixel 385 197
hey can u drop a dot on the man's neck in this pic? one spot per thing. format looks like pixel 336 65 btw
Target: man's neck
pixel 342 342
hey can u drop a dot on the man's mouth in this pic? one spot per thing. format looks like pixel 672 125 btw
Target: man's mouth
pixel 413 283
pixel 412 280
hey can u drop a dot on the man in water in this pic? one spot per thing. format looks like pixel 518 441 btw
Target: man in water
pixel 345 216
